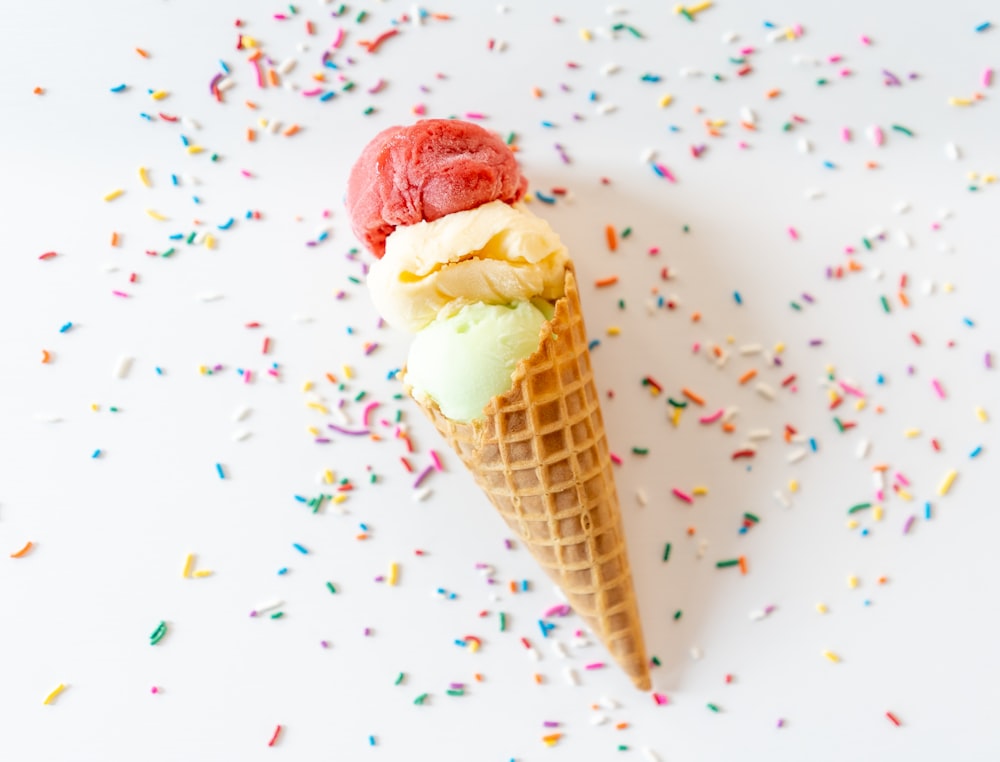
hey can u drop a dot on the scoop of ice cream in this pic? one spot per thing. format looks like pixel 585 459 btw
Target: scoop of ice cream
pixel 465 358
pixel 424 171
pixel 495 253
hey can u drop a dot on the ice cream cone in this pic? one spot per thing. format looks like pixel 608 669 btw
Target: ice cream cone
pixel 541 456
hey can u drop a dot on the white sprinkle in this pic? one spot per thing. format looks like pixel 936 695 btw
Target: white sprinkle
pixel 571 677
pixel 286 66
pixel 298 318
pixel 731 412
pixel 796 455
pixel 608 703
pixel 781 498
pixel 946 248
pixel 226 84
pixel 269 606
pixel 110 268
pixel 903 239
pixel 777 36
pixel 765 391
pixel 804 145
pixel 747 115
pixel 606 108
pixel 501 46
pixel 614 10
pixel 813 193
pixel 649 755
pixel 241 413
pixel 610 68
pixel 758 434
pixel 421 494
pixel 647 156
pixel 241 435
pixel 596 719
pixel 902 207
pixel 273 126
pixel 928 287
pixel 123 366
pixel 210 296
pixel 533 654
pixel 728 37
pixel 500 8
pixel 642 497
pixel 945 214
pixel 696 653
pixel 864 447
pixel 687 71
pixel 952 151
pixel 486 570
pixel 757 615
pixel 559 649
pixel 751 349
pixel 189 122
pixel 48 417
pixel 878 480
pixel 875 273
pixel 702 547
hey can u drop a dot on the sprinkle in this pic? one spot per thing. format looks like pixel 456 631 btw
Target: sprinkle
pixel 50 699
pixel 692 396
pixel 393 573
pixel 937 388
pixel 831 656
pixel 893 719
pixel 158 633
pixel 219 470
pixel 681 496
pixel 611 238
pixel 946 483
pixel 609 281
pixel 300 548
pixel 274 738
pixel 113 194
pixel 980 28
pixel 23 551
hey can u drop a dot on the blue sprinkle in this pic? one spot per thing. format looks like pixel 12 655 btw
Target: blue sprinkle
pixel 545 627
pixel 674 128
pixel 968 322
pixel 829 165
pixel 300 498
pixel 65 327
pixel 545 199
pixel 119 88
pixel 650 78
pixel 976 452
pixel 864 532
pixel 657 170
pixel 737 297
pixel 984 26
pixel 371 740
pixel 147 117
pixel 97 454
pixel 174 180
pixel 742 530
pixel 225 68
pixel 329 94
pixel 812 444
pixel 927 510
pixel 227 224
pixel 350 331
pixel 524 585
pixel 594 344
pixel 283 570
pixel 769 25
pixel 461 643
pixel 159 370
pixel 185 141
pixel 323 236
pixel 592 96
pixel 219 471
pixel 364 527
pixel 879 379
pixel 176 236
pixel 300 548
pixel 196 199
pixel 547 124
pixel 660 301
pixel 391 375
pixel 249 214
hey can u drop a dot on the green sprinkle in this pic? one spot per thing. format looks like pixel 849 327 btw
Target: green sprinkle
pixel 713 707
pixel 113 409
pixel 840 425
pixel 621 304
pixel 904 130
pixel 973 188
pixel 655 660
pixel 737 60
pixel 867 243
pixel 331 588
pixel 795 306
pixel 885 304
pixel 859 507
pixel 168 252
pixel 158 633
pixel 352 279
pixel 751 517
pixel 215 157
pixel 369 110
pixel 503 621
pixel 617 27
pixel 347 86
pixel 402 676
pixel 727 563
pixel 420 699
pixel 685 14
pixel 360 396
pixel 787 126
pixel 821 82
pixel 361 16
pixel 625 233
pixel 676 403
pixel 277 615
pixel 622 747
pixel 677 614
pixel 455 692
pixel 190 238
pixel 686 228
pixel 640 450
pixel 634 32
pixel 372 478
pixel 666 552
pixel 718 78
pixel 511 137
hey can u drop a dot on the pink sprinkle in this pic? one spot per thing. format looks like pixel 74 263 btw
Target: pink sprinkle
pixel 696 347
pixel 712 418
pixel 595 665
pixel 937 388
pixel 880 495
pixel 865 40
pixel 663 171
pixel 338 40
pixel 988 360
pixel 420 109
pixel 877 136
pixel 902 479
pixel 246 377
pixel 436 460
pixel 654 250
pixel 154 689
pixel 793 233
pixel 797 29
pixel 312 93
pixel 660 699
pixel 246 173
pixel 120 293
pixel 376 87
pixel 561 609
pixel 368 413
pixel 845 134
pixel 474 115
pixel 836 58
pixel 615 459
pixel 845 72
pixel 988 78
pixel 682 495
pixel 746 51
pixel 851 390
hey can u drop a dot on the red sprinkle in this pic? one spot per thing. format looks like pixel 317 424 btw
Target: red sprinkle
pixel 49 255
pixel 743 454
pixel 893 719
pixel 274 738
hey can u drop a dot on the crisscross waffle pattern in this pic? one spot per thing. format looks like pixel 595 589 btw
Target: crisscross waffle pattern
pixel 541 455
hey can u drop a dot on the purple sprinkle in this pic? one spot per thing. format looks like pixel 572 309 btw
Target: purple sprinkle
pixel 560 610
pixel 988 359
pixel 808 298
pixel 508 544
pixel 550 724
pixel 348 432
pixel 324 644
pixel 781 722
pixel 890 78
pixel 456 686
pixel 908 524
pixel 215 81
pixel 322 440
pixel 423 475
pixel 815 342
pixel 380 578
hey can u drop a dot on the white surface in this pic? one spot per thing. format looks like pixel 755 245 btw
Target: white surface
pixel 112 533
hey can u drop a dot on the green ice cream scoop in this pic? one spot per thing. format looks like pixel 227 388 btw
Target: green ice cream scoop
pixel 464 359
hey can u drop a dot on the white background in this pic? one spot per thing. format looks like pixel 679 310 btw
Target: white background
pixel 111 533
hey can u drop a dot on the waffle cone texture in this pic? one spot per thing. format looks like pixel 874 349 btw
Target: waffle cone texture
pixel 541 456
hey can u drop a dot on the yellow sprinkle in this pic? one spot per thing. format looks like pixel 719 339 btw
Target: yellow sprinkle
pixel 393 573
pixel 113 195
pixel 793 485
pixel 832 395
pixel 831 656
pixel 911 433
pixel 188 563
pixel 717 122
pixel 209 241
pixel 203 573
pixel 528 198
pixel 959 102
pixel 159 95
pixel 852 524
pixel 585 35
pixel 202 369
pixel 905 495
pixel 328 476
pixel 877 512
pixel 52 696
pixel 144 177
pixel 991 178
pixel 861 404
pixel 95 407
pixel 675 419
pixel 779 347
pixel 704 6
pixel 981 414
pixel 317 406
pixel 262 122
pixel 946 483
pixel 248 42
pixel 789 34
pixel 948 287
pixel 666 100
pixel 973 176
pixel 193 149
pixel 339 498
pixel 614 330
pixel 313 430
pixel 821 608
pixel 699 491
pixel 852 582
pixel 307 385
pixel 156 215
pixel 347 371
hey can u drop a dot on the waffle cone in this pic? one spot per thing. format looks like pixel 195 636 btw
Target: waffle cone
pixel 541 456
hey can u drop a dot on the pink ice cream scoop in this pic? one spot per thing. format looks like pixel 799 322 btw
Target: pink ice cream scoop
pixel 424 171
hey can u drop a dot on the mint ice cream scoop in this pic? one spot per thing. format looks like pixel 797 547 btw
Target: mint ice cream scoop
pixel 464 359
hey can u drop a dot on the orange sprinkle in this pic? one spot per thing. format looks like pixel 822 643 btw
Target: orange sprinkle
pixel 612 238
pixel 291 131
pixel 361 536
pixel 903 299
pixel 695 317
pixel 773 93
pixel 609 281
pixel 114 239
pixel 513 586
pixel 696 399
pixel 255 55
pixel 743 565
pixel 880 467
pixel 536 92
pixel 748 375
pixel 729 428
pixel 551 740
pixel 331 378
pixel 39 91
pixel 621 726
pixel 142 52
pixel 479 677
pixel 250 104
pixel 855 266
pixel 871 164
pixel 23 551
pixel 319 76
pixel 272 78
pixel 46 357
pixel 690 531
pixel 251 135
pixel 717 350
pixel 748 126
pixel 538 678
